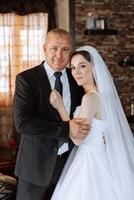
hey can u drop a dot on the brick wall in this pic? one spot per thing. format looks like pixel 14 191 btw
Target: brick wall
pixel 114 48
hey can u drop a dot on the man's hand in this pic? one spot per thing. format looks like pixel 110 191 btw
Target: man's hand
pixel 79 129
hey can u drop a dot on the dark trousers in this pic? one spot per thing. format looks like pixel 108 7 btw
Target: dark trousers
pixel 29 191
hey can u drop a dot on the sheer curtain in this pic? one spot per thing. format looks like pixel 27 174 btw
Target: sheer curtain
pixel 21 47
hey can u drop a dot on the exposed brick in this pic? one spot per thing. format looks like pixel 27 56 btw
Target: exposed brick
pixel 113 48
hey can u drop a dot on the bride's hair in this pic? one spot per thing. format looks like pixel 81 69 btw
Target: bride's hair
pixel 83 53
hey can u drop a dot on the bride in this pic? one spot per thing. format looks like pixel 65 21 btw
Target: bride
pixel 101 167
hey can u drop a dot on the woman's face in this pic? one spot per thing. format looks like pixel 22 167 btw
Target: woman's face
pixel 81 70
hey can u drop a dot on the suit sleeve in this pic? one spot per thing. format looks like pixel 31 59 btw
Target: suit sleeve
pixel 25 118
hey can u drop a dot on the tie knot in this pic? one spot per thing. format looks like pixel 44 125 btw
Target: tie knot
pixel 58 74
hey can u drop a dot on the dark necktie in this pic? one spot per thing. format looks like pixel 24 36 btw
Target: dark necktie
pixel 58 87
pixel 58 83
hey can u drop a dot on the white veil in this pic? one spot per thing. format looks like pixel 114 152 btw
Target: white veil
pixel 119 138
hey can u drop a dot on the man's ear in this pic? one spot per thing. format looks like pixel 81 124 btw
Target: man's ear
pixel 44 47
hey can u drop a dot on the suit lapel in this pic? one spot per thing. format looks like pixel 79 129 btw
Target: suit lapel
pixel 44 82
pixel 46 87
pixel 76 93
pixel 73 94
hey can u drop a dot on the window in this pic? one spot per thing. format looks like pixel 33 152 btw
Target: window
pixel 21 47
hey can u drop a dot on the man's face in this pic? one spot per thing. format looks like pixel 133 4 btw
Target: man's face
pixel 57 51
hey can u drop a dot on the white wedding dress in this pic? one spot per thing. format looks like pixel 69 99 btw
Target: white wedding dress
pixel 86 175
pixel 95 170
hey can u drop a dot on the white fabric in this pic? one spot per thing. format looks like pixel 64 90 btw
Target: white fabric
pixel 120 142
pixel 66 96
pixel 64 148
pixel 120 148
pixel 86 174
pixel 101 171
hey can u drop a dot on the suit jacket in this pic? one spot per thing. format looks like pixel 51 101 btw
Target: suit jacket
pixel 40 124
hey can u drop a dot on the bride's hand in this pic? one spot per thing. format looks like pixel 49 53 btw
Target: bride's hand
pixel 56 100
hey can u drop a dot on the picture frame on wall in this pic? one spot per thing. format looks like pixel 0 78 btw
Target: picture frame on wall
pixel 100 23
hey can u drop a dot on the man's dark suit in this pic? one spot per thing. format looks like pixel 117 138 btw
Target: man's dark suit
pixel 39 124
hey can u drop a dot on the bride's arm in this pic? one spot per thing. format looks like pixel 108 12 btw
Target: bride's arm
pixel 78 126
pixel 90 107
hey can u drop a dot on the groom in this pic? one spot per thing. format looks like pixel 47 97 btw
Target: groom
pixel 40 158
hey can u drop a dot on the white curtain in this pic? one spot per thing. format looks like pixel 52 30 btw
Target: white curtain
pixel 21 47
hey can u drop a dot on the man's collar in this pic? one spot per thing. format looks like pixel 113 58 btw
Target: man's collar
pixel 50 71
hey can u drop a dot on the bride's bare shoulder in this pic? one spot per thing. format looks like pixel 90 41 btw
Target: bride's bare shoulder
pixel 91 97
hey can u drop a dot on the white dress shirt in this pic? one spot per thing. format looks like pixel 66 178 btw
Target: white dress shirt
pixel 65 95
